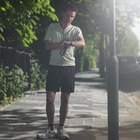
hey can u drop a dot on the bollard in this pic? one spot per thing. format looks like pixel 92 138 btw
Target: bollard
pixel 112 88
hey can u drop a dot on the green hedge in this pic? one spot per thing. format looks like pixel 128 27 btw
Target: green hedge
pixel 14 82
pixel 88 62
pixel 37 76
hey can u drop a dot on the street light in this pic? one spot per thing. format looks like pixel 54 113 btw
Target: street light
pixel 112 78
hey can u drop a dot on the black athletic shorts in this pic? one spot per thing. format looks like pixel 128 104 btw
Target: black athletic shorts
pixel 61 78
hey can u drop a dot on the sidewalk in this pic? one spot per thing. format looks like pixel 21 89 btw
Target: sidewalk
pixel 87 117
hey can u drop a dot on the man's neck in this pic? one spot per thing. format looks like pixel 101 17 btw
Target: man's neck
pixel 63 25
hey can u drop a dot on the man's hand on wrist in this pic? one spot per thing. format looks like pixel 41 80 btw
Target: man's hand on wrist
pixel 70 43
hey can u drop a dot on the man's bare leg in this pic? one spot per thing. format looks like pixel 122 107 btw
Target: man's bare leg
pixel 64 107
pixel 61 133
pixel 50 107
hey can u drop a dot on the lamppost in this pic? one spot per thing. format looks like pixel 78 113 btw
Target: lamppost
pixel 112 78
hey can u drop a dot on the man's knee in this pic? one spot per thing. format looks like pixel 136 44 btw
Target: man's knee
pixel 50 97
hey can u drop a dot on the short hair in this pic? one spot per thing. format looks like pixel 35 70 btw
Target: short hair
pixel 69 7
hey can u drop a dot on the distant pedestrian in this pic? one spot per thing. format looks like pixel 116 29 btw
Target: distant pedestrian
pixel 61 38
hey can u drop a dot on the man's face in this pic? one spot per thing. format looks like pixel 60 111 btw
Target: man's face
pixel 68 17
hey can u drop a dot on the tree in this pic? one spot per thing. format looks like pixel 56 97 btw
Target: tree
pixel 130 45
pixel 19 20
pixel 24 23
pixel 126 12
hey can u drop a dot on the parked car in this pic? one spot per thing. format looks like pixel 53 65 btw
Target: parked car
pixel 129 67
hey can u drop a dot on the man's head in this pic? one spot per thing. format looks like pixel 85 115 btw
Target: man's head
pixel 68 14
pixel 69 8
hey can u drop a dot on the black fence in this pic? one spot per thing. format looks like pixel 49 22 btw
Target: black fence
pixel 9 57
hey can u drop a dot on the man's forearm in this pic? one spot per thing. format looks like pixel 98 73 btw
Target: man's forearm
pixel 49 45
pixel 78 43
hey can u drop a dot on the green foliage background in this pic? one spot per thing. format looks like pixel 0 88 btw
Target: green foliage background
pixel 19 20
pixel 13 83
pixel 23 24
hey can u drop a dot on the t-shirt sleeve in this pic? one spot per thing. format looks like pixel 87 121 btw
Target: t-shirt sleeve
pixel 78 33
pixel 49 33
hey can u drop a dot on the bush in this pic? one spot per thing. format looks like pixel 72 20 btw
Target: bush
pixel 13 82
pixel 87 56
pixel 88 62
pixel 37 77
pixel 3 85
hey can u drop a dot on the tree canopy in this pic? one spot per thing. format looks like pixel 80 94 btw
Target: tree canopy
pixel 24 23
pixel 19 20
pixel 126 13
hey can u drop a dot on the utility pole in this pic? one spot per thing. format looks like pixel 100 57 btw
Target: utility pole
pixel 112 78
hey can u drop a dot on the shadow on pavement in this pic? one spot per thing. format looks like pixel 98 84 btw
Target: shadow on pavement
pixel 88 133
pixel 93 78
pixel 21 125
pixel 89 79
pixel 131 131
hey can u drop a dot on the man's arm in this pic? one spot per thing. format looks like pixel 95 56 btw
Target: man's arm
pixel 78 43
pixel 49 45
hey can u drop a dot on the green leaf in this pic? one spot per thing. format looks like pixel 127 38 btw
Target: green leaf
pixel 19 32
pixel 2 9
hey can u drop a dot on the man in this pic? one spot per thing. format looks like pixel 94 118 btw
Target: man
pixel 61 38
